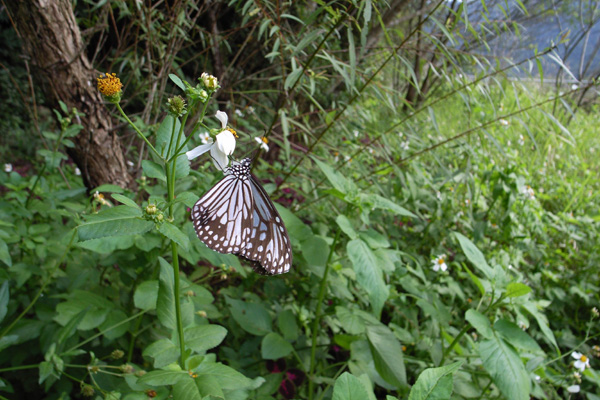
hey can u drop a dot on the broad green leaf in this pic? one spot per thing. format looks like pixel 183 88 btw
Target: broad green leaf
pixel 108 188
pixel 542 322
pixel 116 221
pixel 163 378
pixel 204 337
pixel 95 308
pixel 252 317
pixel 175 234
pixel 474 255
pixel 4 297
pixel 45 369
pixel 274 347
pixel 227 377
pixel 368 273
pixel 125 200
pixel 349 387
pixel 163 351
pixel 480 322
pixel 145 295
pixel 434 383
pixel 516 336
pixel 165 303
pixel 475 279
pixel 346 226
pixel 315 250
pixel 505 367
pixel 351 322
pixel 208 386
pixel 187 389
pixel 516 289
pixel 177 81
pixel 115 324
pixel 387 354
pixel 7 341
pixel 153 170
pixel 286 322
pixel 5 254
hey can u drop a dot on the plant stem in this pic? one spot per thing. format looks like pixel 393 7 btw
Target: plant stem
pixel 315 327
pixel 135 128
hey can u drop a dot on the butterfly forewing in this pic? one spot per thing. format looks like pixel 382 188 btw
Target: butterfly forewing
pixel 236 216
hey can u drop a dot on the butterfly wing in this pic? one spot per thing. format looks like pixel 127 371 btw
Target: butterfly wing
pixel 223 216
pixel 268 242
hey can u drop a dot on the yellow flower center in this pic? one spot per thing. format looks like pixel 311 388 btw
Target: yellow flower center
pixel 109 84
pixel 233 132
pixel 264 139
pixel 441 261
pixel 583 358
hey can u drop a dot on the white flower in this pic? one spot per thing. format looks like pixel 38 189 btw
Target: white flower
pixel 221 149
pixel 205 138
pixel 521 140
pixel 537 378
pixel 573 389
pixel 355 133
pixel 77 171
pixel 8 168
pixel 582 361
pixel 239 112
pixel 440 263
pixel 503 122
pixel 528 192
pixel 130 163
pixel 404 145
pixel 574 86
pixel 438 194
pixel 371 151
pixel 262 141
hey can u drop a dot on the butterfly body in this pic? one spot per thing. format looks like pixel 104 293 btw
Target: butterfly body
pixel 236 216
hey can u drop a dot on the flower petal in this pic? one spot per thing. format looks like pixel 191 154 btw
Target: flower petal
pixel 222 116
pixel 573 389
pixel 195 152
pixel 225 142
pixel 219 158
pixel 576 355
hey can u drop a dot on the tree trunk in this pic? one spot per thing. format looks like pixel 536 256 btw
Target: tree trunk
pixel 52 39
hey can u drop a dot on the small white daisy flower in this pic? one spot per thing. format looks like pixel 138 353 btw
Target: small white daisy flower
pixel 528 192
pixel 8 167
pixel 573 389
pixel 263 142
pixel 205 138
pixel 582 361
pixel 404 145
pixel 355 133
pixel 440 263
pixel 521 140
pixel 239 113
pixel 503 122
pixel 77 171
pixel 223 146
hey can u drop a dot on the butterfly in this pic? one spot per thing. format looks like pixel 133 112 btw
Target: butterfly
pixel 236 216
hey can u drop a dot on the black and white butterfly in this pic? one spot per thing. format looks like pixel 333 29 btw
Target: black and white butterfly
pixel 236 216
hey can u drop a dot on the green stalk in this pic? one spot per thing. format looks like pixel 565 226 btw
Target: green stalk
pixel 175 256
pixel 315 326
pixel 135 128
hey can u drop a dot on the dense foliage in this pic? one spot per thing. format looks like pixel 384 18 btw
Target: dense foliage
pixel 444 218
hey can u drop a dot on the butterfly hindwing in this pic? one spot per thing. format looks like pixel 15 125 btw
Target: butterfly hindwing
pixel 236 216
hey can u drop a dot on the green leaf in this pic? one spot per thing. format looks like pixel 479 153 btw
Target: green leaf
pixel 480 322
pixel 474 255
pixel 475 279
pixel 95 308
pixel 208 386
pixel 187 389
pixel 116 221
pixel 145 295
pixel 273 347
pixel 516 336
pixel 542 322
pixel 338 180
pixel 204 337
pixel 349 387
pixel 517 289
pixel 5 254
pixel 153 170
pixel 4 298
pixel 165 303
pixel 163 351
pixel 163 378
pixel 387 354
pixel 376 201
pixel 252 317
pixel 505 367
pixel 286 321
pixel 177 81
pixel 125 200
pixel 7 341
pixel 163 138
pixel 175 234
pixel 346 226
pixel 351 322
pixel 108 188
pixel 434 383
pixel 115 325
pixel 227 377
pixel 368 273
pixel 46 369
